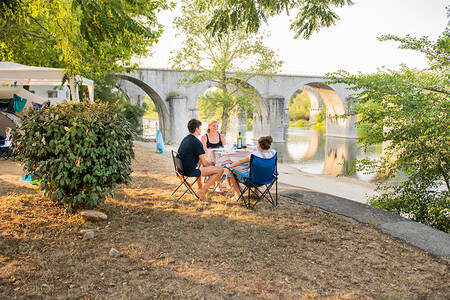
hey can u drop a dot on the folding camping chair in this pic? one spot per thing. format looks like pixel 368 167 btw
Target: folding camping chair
pixel 183 179
pixel 262 173
pixel 6 148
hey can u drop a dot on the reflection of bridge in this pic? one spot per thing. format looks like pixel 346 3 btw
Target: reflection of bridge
pixel 336 153
pixel 176 104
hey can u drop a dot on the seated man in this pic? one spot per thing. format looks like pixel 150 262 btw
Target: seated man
pixel 192 155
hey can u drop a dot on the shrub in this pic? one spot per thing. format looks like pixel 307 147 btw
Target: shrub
pixel 422 203
pixel 79 151
pixel 133 114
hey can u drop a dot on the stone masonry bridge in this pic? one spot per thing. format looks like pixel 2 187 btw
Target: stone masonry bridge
pixel 176 103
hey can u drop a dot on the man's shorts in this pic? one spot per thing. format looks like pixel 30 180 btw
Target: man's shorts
pixel 194 173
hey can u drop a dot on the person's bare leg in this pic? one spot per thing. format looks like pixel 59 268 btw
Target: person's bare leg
pixel 199 182
pixel 230 186
pixel 235 186
pixel 214 173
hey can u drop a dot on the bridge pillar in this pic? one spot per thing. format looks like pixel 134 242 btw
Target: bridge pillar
pixel 178 118
pixel 238 123
pixel 193 113
pixel 277 118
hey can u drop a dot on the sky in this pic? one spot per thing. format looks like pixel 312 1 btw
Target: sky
pixel 350 45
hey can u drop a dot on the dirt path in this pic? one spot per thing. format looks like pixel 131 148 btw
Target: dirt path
pixel 193 249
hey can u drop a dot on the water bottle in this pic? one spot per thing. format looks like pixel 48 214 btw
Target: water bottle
pixel 239 141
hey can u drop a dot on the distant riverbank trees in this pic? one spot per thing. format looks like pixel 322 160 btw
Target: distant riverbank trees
pixel 299 107
pixel 408 112
pixel 299 113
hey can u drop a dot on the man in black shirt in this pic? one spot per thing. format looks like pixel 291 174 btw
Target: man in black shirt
pixel 193 158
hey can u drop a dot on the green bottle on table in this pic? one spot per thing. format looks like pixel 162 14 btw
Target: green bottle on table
pixel 239 141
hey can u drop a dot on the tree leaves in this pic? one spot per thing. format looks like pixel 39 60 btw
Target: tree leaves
pixel 233 14
pixel 408 112
pixel 86 37
pixel 79 151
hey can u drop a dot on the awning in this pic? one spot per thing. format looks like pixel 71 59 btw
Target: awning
pixel 17 74
pixel 8 120
pixel 7 92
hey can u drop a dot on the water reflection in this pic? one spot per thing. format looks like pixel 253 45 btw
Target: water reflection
pixel 313 152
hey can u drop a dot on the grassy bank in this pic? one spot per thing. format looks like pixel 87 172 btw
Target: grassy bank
pixel 193 249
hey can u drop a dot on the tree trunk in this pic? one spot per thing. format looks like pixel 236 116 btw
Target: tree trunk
pixel 225 112
pixel 225 117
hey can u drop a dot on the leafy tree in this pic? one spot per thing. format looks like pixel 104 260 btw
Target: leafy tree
pixel 150 109
pixel 312 15
pixel 408 111
pixel 107 92
pixel 86 37
pixel 79 151
pixel 229 61
pixel 299 107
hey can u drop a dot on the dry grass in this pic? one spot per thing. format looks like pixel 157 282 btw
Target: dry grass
pixel 192 249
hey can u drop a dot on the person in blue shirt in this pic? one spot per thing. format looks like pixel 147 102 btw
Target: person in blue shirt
pixel 193 158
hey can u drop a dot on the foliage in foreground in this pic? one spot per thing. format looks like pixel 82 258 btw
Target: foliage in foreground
pixel 408 112
pixel 79 151
pixel 309 16
pixel 84 37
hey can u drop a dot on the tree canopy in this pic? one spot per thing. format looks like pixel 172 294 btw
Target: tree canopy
pixel 87 37
pixel 408 111
pixel 311 15
pixel 229 61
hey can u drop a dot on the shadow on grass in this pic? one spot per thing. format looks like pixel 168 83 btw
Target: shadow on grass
pixel 210 249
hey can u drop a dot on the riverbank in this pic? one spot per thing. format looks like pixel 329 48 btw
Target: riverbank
pixel 345 187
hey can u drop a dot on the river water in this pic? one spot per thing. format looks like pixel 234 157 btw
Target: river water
pixel 310 151
pixel 314 152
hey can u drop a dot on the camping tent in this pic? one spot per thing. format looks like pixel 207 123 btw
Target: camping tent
pixel 17 74
pixel 7 92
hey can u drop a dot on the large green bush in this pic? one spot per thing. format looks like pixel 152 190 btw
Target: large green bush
pixel 79 151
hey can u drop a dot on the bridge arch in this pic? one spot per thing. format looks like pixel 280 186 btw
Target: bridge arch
pixel 330 96
pixel 161 108
pixel 177 102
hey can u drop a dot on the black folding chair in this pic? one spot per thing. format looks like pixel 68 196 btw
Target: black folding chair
pixel 183 178
pixel 262 174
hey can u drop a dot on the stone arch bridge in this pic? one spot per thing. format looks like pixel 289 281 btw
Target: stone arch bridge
pixel 176 103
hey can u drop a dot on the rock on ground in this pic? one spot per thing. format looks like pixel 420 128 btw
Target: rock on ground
pixel 93 215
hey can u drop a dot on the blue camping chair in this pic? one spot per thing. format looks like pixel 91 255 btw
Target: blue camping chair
pixel 6 148
pixel 262 173
pixel 183 178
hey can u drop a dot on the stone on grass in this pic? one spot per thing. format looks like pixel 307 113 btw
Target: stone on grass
pixel 93 215
pixel 114 252
pixel 89 235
